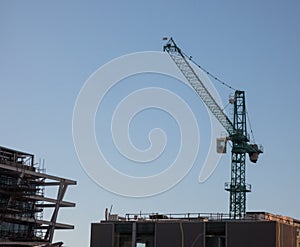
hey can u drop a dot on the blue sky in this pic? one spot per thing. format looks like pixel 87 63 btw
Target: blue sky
pixel 48 50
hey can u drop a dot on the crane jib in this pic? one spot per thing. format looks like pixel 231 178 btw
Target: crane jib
pixel 177 56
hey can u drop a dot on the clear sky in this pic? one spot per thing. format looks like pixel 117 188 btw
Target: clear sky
pixel 48 49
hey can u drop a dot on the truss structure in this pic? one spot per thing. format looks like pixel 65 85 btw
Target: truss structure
pixel 22 201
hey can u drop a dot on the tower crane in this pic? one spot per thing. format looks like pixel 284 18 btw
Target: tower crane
pixel 237 131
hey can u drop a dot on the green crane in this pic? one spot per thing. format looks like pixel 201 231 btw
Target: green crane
pixel 237 131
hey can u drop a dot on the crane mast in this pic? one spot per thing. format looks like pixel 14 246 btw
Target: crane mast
pixel 237 131
pixel 238 187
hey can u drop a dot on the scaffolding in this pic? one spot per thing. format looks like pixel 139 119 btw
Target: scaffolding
pixel 22 201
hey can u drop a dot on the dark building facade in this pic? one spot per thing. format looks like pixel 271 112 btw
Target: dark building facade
pixel 255 230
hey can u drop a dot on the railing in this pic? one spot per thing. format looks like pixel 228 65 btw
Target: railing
pixel 238 187
pixel 201 217
pixel 174 217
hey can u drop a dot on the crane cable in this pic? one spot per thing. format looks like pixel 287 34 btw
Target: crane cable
pixel 182 234
pixel 223 83
pixel 252 134
pixel 207 72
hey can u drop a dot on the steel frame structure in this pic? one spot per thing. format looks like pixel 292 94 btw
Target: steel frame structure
pixel 22 201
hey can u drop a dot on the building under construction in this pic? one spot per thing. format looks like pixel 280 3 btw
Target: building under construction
pixel 257 229
pixel 22 201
